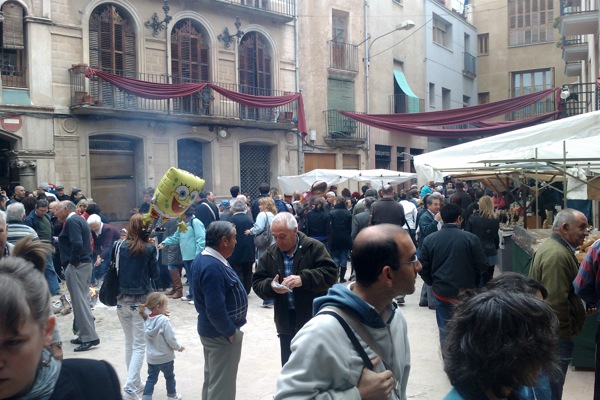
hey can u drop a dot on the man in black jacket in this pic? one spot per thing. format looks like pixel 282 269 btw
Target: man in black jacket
pixel 76 258
pixel 243 255
pixel 452 261
pixel 387 210
pixel 205 210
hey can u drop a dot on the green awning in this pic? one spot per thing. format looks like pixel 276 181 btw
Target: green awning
pixel 412 99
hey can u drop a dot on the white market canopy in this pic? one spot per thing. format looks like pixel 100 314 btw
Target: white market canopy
pixel 561 144
pixel 377 177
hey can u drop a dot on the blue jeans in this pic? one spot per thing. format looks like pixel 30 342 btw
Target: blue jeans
pixel 340 258
pixel 51 275
pixel 135 343
pixel 168 371
pixel 187 264
pixel 565 354
pixel 443 313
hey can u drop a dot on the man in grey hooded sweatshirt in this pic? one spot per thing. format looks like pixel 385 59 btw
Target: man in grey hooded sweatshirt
pixel 324 361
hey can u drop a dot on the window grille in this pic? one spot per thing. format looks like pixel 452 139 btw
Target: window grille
pixel 255 162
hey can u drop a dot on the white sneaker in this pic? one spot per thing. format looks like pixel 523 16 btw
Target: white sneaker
pixel 176 396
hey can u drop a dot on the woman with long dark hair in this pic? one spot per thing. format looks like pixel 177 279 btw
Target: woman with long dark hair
pixel 485 225
pixel 137 265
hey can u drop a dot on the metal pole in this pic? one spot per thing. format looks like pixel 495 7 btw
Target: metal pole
pixel 565 188
pixel 296 61
pixel 367 48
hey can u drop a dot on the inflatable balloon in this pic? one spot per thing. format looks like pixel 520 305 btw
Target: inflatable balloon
pixel 175 193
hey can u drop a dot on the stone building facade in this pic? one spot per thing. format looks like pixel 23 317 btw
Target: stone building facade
pixel 61 127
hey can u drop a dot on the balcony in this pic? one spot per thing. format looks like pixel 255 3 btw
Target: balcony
pixel 470 65
pixel 578 17
pixel 343 131
pixel 573 68
pixel 207 107
pixel 13 77
pixel 583 98
pixel 575 48
pixel 544 106
pixel 343 57
pixel 283 10
pixel 403 104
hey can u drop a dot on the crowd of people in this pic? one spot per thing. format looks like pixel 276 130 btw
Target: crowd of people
pixel 341 335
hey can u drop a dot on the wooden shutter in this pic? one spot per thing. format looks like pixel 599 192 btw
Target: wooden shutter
pixel 255 65
pixel 12 27
pixel 189 53
pixel 112 41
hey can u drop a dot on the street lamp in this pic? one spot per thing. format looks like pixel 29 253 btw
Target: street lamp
pixel 403 26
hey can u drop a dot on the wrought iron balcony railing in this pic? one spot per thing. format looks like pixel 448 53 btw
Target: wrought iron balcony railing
pixel 281 7
pixel 342 128
pixel 95 93
pixel 583 98
pixel 577 6
pixel 403 104
pixel 343 56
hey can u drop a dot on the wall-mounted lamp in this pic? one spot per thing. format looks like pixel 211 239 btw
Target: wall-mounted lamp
pixel 312 135
pixel 223 133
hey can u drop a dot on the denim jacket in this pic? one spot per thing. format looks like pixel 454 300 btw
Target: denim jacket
pixel 136 271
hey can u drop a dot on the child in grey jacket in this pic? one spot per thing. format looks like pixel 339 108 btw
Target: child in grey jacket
pixel 160 345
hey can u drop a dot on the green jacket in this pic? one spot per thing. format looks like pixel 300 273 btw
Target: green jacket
pixel 554 266
pixel 316 269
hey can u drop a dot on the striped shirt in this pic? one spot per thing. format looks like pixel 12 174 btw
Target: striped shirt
pixel 18 231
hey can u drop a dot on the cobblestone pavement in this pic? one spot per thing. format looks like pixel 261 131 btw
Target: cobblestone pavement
pixel 259 366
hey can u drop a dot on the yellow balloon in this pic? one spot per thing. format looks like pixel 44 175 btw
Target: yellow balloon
pixel 175 193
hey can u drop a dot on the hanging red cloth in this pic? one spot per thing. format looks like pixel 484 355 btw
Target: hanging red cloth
pixel 162 91
pixel 434 123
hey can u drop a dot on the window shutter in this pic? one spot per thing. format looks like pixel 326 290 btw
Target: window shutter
pixel 189 52
pixel 12 27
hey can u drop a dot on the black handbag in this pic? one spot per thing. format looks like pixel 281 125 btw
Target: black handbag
pixel 110 286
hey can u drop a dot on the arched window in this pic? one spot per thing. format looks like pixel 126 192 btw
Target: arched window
pixel 13 46
pixel 190 63
pixel 112 41
pixel 255 72
pixel 112 49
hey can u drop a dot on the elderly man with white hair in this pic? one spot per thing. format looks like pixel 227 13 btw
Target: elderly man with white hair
pixel 293 271
pixel 104 236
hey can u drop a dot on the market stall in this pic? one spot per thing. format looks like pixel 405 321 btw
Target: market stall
pixel 376 177
pixel 565 150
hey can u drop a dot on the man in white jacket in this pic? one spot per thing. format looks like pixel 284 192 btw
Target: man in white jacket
pixel 325 362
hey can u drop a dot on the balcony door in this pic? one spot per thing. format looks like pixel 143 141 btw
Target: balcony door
pixel 190 63
pixel 255 75
pixel 112 49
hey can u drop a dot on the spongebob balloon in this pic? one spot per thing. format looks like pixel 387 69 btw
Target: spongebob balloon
pixel 174 194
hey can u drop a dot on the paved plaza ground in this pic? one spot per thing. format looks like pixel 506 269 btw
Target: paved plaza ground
pixel 260 365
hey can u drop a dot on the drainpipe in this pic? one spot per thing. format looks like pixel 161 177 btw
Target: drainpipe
pixel 366 59
pixel 297 67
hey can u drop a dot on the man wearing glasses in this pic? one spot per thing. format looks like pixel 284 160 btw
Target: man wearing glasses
pixel 357 346
pixel 452 261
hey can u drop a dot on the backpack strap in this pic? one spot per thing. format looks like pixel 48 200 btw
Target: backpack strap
pixel 211 211
pixel 361 351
